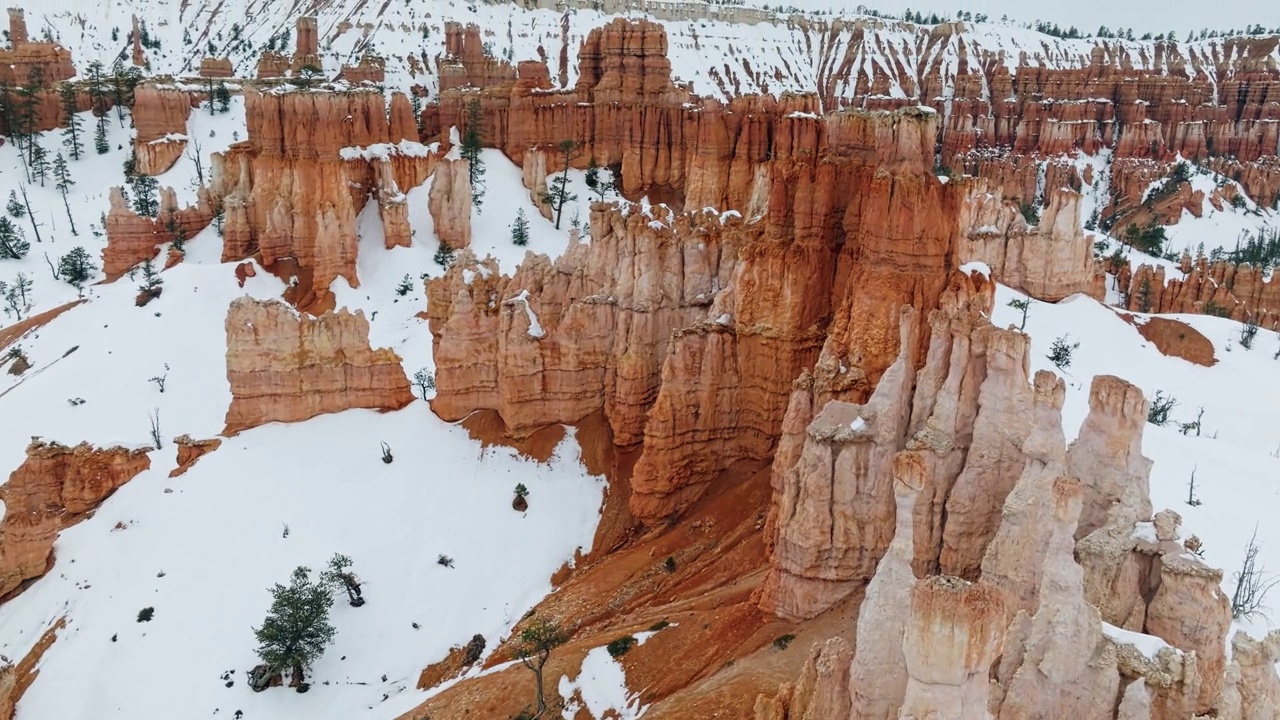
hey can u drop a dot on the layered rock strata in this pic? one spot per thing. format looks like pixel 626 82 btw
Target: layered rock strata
pixel 160 116
pixel 54 488
pixel 287 367
pixel 312 161
pixel 134 238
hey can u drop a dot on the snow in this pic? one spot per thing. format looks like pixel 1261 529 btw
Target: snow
pixel 535 327
pixel 976 267
pixel 858 424
pixel 203 548
pixel 602 685
pixel 1235 454
pixel 1148 645
pixel 724 319
pixel 384 151
pixel 1146 532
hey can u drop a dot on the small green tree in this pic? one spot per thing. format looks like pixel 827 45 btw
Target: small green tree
pixel 559 193
pixel 296 629
pixel 1024 305
pixel 39 161
pixel 534 646
pixel 152 284
pixel 73 132
pixel 1061 350
pixel 596 184
pixel 145 201
pixel 1143 295
pixel 444 256
pixel 14 207
pixel 76 267
pixel 100 144
pixel 339 576
pixel 63 182
pixel 472 144
pixel 222 97
pixel 520 229
pixel 12 245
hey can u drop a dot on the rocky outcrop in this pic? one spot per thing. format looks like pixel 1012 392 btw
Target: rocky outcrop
pixel 956 631
pixel 450 202
pixel 371 69
pixel 1048 261
pixel 190 450
pixel 1107 454
pixel 293 190
pixel 53 489
pixel 1252 689
pixel 1057 663
pixel 24 59
pixel 466 62
pixel 835 514
pixel 878 676
pixel 214 67
pixel 1241 292
pixel 820 693
pixel 160 115
pixel 133 238
pixel 286 367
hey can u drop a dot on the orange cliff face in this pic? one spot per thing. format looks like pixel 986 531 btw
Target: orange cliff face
pixel 24 59
pixel 160 116
pixel 286 367
pixel 54 488
pixel 688 329
pixel 313 159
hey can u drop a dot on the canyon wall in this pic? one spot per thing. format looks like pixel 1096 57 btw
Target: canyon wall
pixel 54 488
pixel 292 191
pixel 1238 291
pixel 134 238
pixel 284 366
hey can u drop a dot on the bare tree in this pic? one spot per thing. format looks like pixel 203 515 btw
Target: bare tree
pixel 155 428
pixel 195 158
pixel 35 226
pixel 1252 584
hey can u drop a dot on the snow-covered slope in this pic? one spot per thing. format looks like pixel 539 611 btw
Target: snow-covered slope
pixel 203 548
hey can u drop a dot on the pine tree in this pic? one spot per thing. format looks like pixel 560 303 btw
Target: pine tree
pixel 39 161
pixel 520 229
pixel 472 143
pixel 100 143
pixel 75 126
pixel 97 93
pixel 444 256
pixel 145 202
pixel 222 97
pixel 63 182
pixel 340 576
pixel 14 207
pixel 12 245
pixel 596 184
pixel 151 281
pixel 76 267
pixel 559 193
pixel 296 630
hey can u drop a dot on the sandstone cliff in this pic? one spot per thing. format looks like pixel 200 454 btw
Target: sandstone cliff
pixel 286 367
pixel 292 191
pixel 53 489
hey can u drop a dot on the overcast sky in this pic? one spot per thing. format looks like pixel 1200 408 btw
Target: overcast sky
pixel 1154 16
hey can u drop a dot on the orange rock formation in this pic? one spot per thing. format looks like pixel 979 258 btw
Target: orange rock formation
pixel 286 367
pixel 26 59
pixel 52 490
pixel 132 238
